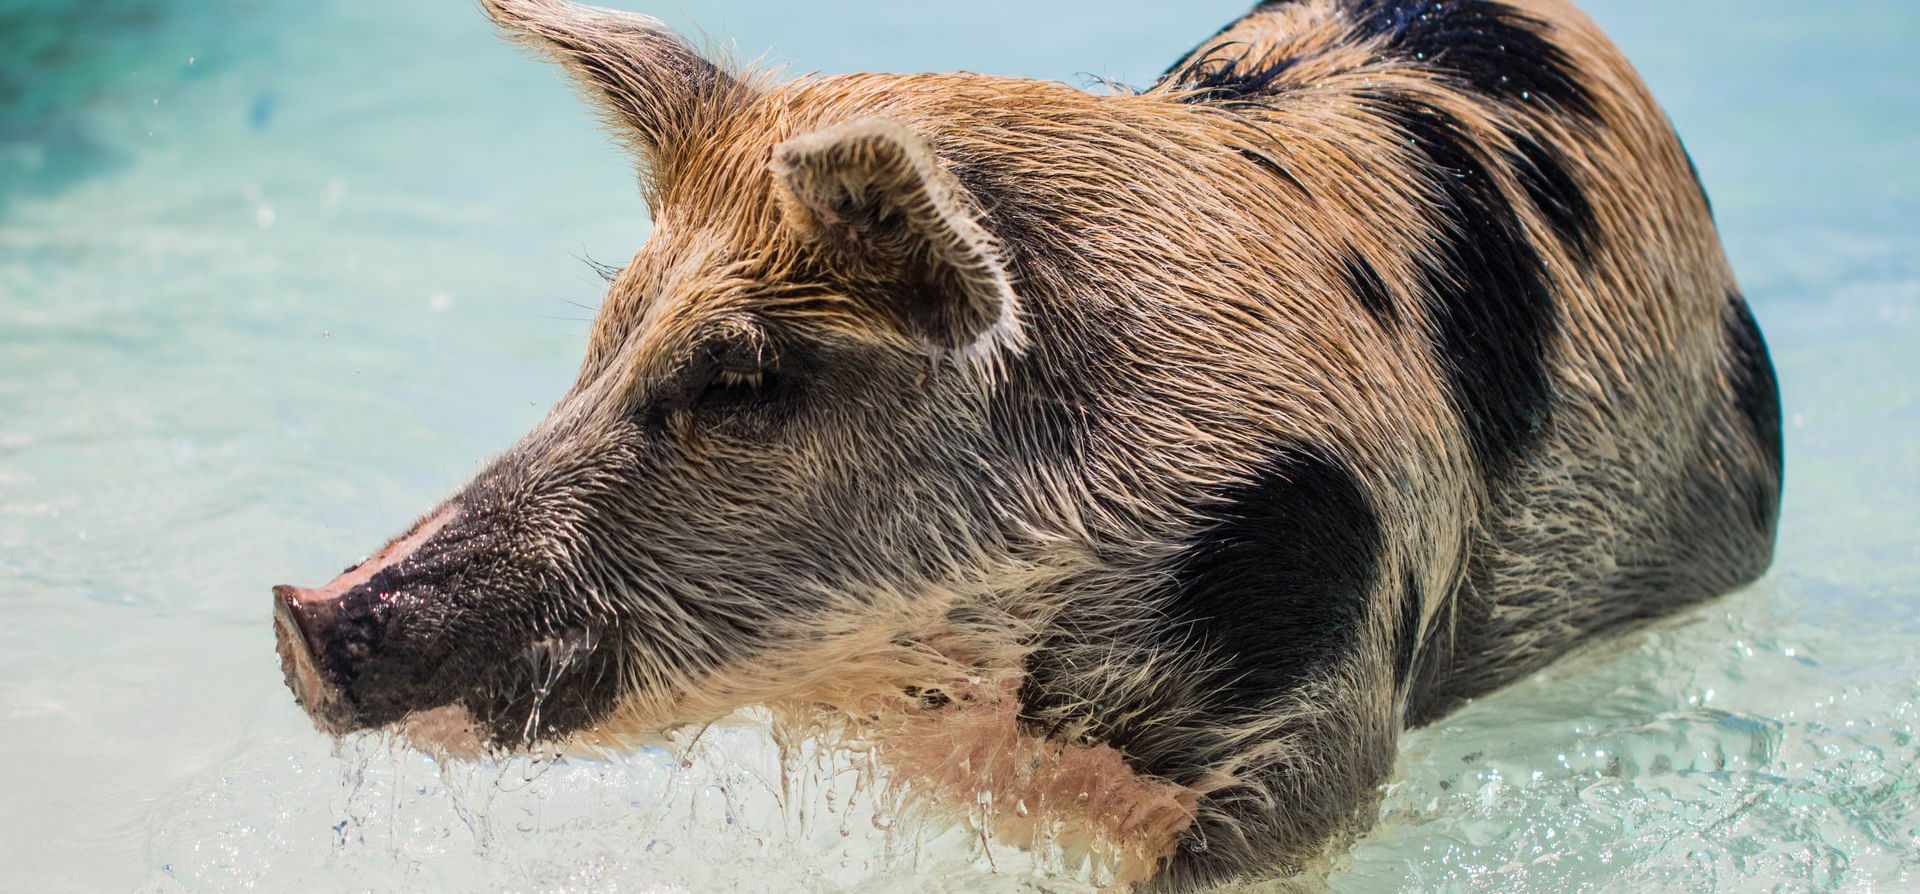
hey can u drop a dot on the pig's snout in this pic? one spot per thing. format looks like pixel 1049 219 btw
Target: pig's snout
pixel 413 639
pixel 326 637
pixel 296 626
pixel 319 636
pixel 299 615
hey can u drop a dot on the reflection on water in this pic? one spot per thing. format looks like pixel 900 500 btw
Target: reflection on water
pixel 1734 749
pixel 274 276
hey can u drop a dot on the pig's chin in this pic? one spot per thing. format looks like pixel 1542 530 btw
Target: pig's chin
pixel 446 731
pixel 451 732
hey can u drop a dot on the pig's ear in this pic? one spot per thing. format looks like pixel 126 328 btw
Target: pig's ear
pixel 875 197
pixel 652 85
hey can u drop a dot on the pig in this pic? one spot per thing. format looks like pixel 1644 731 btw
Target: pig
pixel 1145 459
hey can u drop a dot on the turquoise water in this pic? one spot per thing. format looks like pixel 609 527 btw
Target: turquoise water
pixel 275 275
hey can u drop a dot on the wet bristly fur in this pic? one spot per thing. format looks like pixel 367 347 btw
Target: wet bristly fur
pixel 1148 460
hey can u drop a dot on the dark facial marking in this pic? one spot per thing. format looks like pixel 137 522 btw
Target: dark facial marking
pixel 351 648
pixel 1485 287
pixel 744 379
pixel 1542 170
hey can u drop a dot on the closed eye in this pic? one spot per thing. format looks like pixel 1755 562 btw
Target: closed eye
pixel 749 380
pixel 739 387
pixel 737 381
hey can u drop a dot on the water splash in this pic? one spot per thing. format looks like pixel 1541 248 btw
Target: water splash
pixel 721 809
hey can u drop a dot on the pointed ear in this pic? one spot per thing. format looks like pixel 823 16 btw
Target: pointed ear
pixel 653 86
pixel 873 195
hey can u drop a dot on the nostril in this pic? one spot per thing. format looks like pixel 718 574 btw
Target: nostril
pixel 304 615
pixel 285 597
pixel 307 627
pixel 295 627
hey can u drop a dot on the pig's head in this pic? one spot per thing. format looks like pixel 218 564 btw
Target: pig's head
pixel 777 470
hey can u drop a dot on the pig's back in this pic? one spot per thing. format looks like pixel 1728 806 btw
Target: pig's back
pixel 1530 231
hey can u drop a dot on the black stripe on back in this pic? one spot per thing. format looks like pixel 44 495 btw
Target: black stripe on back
pixel 1485 286
pixel 1223 77
pixel 1363 279
pixel 1542 170
pixel 1490 46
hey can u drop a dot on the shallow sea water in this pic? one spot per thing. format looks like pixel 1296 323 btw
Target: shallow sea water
pixel 275 275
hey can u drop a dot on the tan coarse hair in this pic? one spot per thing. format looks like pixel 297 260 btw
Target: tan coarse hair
pixel 1146 460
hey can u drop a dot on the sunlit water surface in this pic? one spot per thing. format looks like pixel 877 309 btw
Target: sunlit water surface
pixel 274 276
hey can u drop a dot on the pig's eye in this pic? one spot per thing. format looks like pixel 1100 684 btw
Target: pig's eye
pixel 728 378
pixel 735 373
pixel 734 387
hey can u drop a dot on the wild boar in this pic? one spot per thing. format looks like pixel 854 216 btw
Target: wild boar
pixel 1146 459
